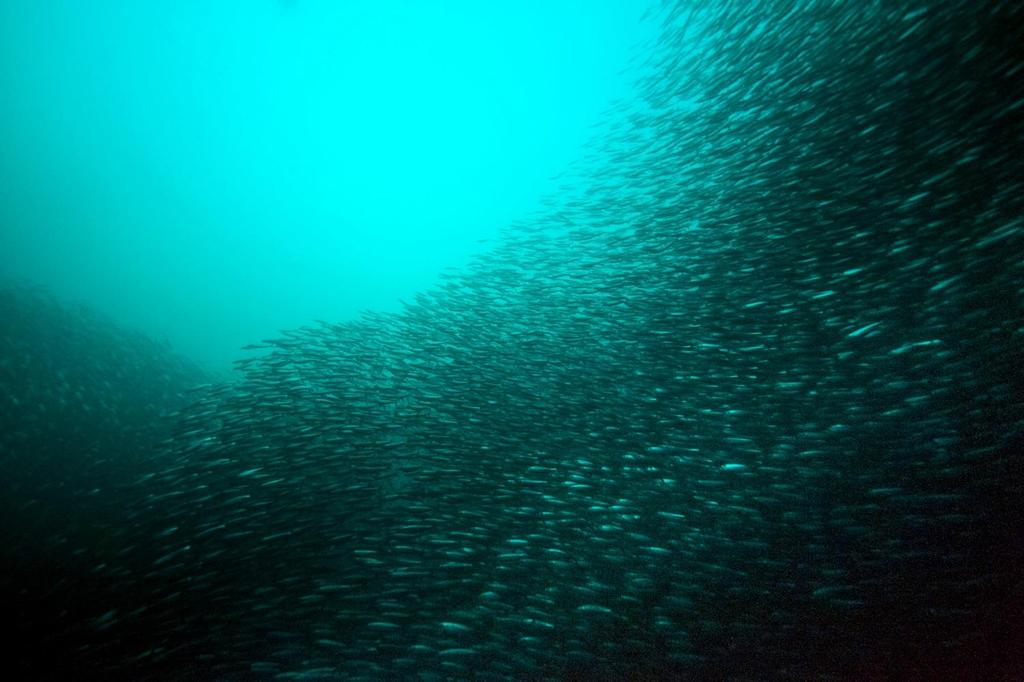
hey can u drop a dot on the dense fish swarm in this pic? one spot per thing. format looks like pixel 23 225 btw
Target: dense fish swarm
pixel 81 405
pixel 745 401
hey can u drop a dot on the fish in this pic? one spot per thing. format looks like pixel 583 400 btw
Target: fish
pixel 743 401
pixel 84 404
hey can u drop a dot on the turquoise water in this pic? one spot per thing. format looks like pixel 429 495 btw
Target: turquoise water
pixel 737 396
pixel 214 173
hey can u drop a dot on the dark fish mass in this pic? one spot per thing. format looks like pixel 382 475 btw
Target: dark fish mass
pixel 81 405
pixel 744 401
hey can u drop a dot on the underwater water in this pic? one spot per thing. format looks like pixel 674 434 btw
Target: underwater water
pixel 740 395
pixel 213 173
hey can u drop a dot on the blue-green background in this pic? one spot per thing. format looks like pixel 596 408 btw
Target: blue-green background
pixel 213 172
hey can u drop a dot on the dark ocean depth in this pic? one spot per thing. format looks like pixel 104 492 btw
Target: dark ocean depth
pixel 743 401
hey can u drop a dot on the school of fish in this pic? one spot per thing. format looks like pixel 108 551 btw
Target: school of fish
pixel 744 401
